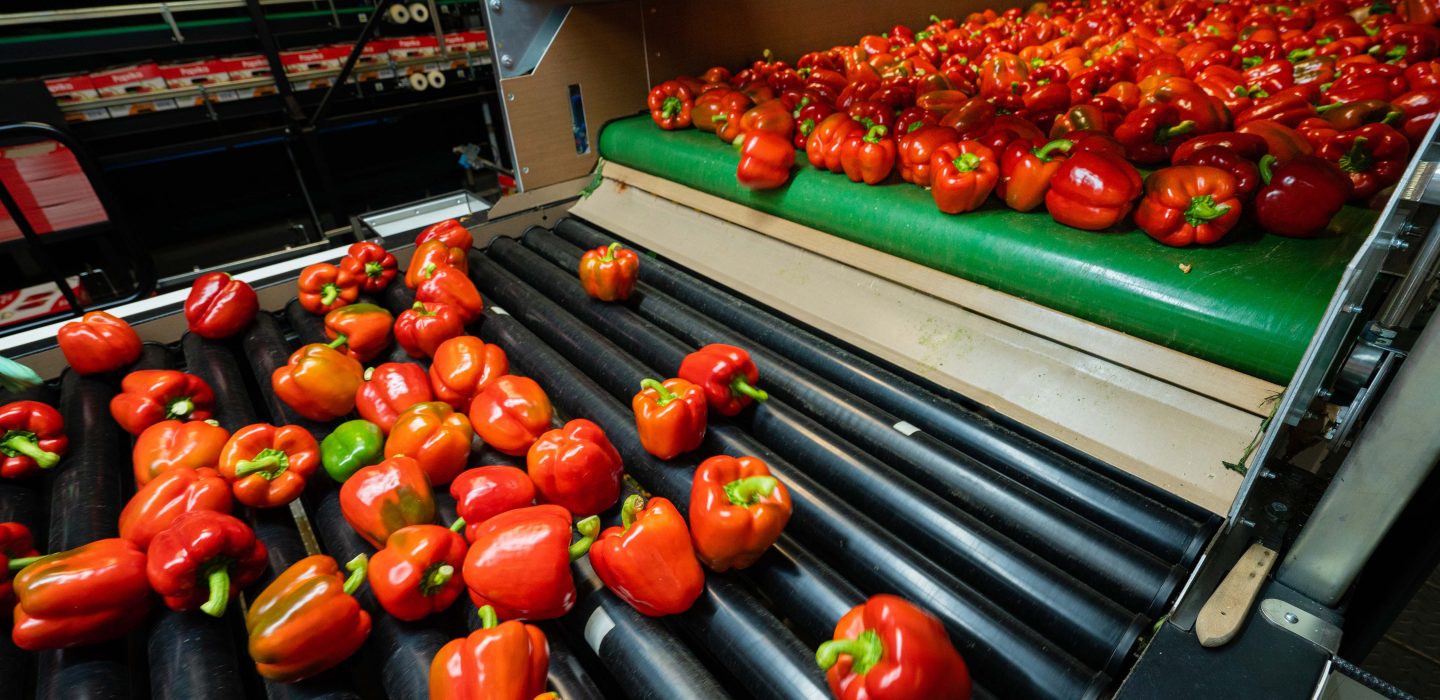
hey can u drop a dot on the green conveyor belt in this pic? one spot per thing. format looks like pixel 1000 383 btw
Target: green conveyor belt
pixel 1250 303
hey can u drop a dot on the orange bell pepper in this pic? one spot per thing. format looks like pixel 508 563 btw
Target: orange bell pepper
pixel 325 287
pixel 462 367
pixel 171 495
pixel 364 329
pixel 382 498
pixel 670 417
pixel 90 594
pixel 268 466
pixel 435 435
pixel 609 273
pixel 417 572
pixel 174 444
pixel 307 620
pixel 429 257
pixel 737 510
pixel 649 562
pixel 452 287
pixel 505 661
pixel 511 413
pixel 576 467
pixel 319 382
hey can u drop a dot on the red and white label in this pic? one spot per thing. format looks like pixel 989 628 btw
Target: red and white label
pixel 125 80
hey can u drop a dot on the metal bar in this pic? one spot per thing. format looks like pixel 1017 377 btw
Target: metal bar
pixel 37 249
pixel 349 65
pixel 271 49
pixel 1394 453
pixel 137 10
pixel 1398 306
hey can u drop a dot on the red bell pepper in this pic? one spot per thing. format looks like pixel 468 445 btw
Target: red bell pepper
pixel 364 329
pixel 1315 71
pixel 962 176
pixel 1420 108
pixel 1093 191
pixel 202 559
pixel 417 573
pixel 737 510
pixel 519 562
pixel 1188 204
pixel 765 160
pixel 267 466
pixel 1246 174
pixel 149 396
pixel 436 435
pixel 708 105
pixel 307 620
pixel 915 149
pixel 32 437
pixel 1082 117
pixel 1425 74
pixel 1281 141
pixel 771 117
pixel 431 256
pixel 380 499
pixel 609 273
pixel 318 382
pixel 220 306
pixel 808 114
pixel 17 550
pixel 872 114
pixel 1002 73
pixel 670 417
pixel 98 343
pixel 452 287
pixel 973 116
pixel 1151 134
pixel 511 413
pixel 1268 77
pixel 371 264
pixel 649 561
pixel 324 287
pixel 1289 106
pixel 719 112
pixel 463 367
pixel 504 661
pixel 1409 42
pixel 1300 196
pixel 1373 156
pixel 889 649
pixel 421 328
pixel 868 158
pixel 1247 146
pixel 576 468
pixel 727 374
pixel 822 148
pixel 90 594
pixel 450 232
pixel 485 492
pixel 670 105
pixel 1026 169
pixel 159 503
pixel 389 390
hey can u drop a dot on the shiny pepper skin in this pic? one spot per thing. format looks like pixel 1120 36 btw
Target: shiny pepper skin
pixel 609 273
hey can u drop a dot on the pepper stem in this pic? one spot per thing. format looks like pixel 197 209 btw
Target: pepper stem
pixel 1203 209
pixel 22 442
pixel 265 462
pixel 181 407
pixel 875 133
pixel 967 162
pixel 328 294
pixel 1062 145
pixel 1357 159
pixel 428 270
pixel 865 651
pixel 374 269
pixel 357 567
pixel 369 373
pixel 666 396
pixel 589 528
pixel 458 525
pixel 488 618
pixel 1332 106
pixel 633 505
pixel 749 490
pixel 218 577
pixel 419 309
pixel 739 385
pixel 670 107
pixel 610 251
pixel 18 564
pixel 340 339
pixel 1185 127
pixel 439 576
pixel 1267 168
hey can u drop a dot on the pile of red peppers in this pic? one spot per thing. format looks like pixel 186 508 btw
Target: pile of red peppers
pixel 182 545
pixel 1274 114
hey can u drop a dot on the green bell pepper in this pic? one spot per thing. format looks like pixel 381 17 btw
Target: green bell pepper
pixel 354 444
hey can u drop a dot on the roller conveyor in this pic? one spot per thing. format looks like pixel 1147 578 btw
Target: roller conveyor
pixel 1053 611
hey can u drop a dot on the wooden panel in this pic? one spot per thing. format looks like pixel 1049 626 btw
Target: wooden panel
pixel 688 37
pixel 600 48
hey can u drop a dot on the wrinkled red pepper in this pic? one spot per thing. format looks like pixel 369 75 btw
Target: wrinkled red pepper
pixel 1373 156
pixel 220 306
pixel 576 468
pixel 370 263
pixel 727 374
pixel 389 390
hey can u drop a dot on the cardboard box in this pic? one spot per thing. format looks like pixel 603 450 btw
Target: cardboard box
pixel 312 60
pixel 375 53
pixel 69 89
pixel 244 67
pixel 39 300
pixel 157 105
pixel 128 80
pixel 94 114
pixel 193 73
pixel 467 42
pixel 414 47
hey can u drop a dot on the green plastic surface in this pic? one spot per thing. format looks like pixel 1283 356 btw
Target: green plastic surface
pixel 1251 302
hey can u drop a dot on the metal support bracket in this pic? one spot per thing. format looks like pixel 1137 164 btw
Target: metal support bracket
pixel 170 20
pixel 1300 623
pixel 521 31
